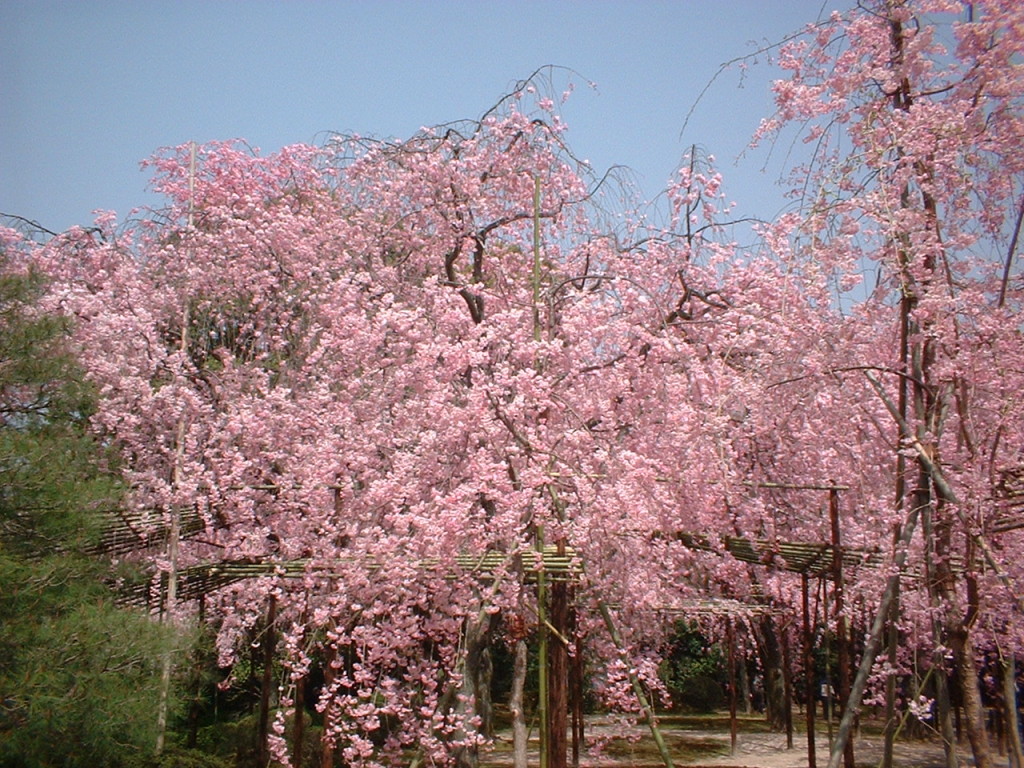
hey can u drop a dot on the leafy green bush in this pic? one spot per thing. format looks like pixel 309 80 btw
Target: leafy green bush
pixel 694 671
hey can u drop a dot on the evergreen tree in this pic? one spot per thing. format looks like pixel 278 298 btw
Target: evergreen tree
pixel 78 674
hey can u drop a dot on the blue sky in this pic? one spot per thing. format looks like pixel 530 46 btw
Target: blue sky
pixel 89 89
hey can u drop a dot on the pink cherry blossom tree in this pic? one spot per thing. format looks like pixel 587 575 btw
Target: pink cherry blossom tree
pixel 391 373
pixel 913 112
pixel 377 361
pixel 371 358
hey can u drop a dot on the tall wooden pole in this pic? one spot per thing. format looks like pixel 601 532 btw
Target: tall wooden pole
pixel 891 718
pixel 267 682
pixel 808 640
pixel 828 693
pixel 787 687
pixel 542 653
pixel 731 640
pixel 575 683
pixel 842 639
pixel 558 672
pixel 542 588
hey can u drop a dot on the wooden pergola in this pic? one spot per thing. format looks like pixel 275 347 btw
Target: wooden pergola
pixel 132 531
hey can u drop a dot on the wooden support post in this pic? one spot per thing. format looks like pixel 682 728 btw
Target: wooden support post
pixel 828 698
pixel 809 676
pixel 558 672
pixel 575 682
pixel 269 646
pixel 731 640
pixel 892 720
pixel 299 724
pixel 787 687
pixel 842 639
pixel 542 654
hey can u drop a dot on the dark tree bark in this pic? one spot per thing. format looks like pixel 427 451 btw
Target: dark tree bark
pixel 477 632
pixel 771 663
pixel 516 705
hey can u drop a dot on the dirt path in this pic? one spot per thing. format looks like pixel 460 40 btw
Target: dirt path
pixel 708 747
pixel 768 750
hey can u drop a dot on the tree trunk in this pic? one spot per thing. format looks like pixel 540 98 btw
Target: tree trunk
pixel 744 683
pixel 930 400
pixel 842 635
pixel 943 710
pixel 480 666
pixel 1010 704
pixel 962 643
pixel 519 733
pixel 466 702
pixel 771 663
pixel 892 649
pixel 959 639
pixel 787 691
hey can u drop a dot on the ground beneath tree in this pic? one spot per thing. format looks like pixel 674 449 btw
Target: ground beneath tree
pixel 699 742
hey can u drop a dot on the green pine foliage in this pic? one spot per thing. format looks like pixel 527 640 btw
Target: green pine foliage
pixel 79 675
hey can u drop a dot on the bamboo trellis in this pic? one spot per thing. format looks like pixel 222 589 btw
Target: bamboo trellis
pixel 132 531
pixel 139 530
pixel 794 556
pixel 200 580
